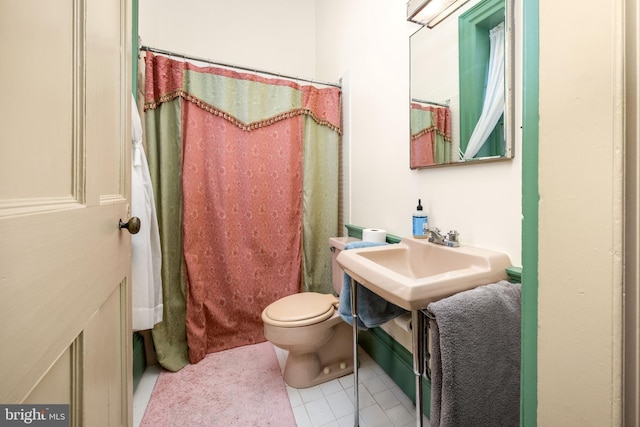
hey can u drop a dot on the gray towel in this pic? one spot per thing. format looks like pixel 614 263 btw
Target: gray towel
pixel 373 310
pixel 476 357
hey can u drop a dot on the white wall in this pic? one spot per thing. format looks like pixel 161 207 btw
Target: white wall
pixel 366 42
pixel 267 35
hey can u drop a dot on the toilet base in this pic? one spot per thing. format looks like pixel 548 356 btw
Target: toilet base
pixel 331 361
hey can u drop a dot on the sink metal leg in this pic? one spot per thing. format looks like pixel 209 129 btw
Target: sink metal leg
pixel 354 315
pixel 417 335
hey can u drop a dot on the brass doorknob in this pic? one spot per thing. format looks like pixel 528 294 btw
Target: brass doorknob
pixel 133 225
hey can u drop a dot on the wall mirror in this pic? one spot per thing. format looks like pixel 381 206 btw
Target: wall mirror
pixel 462 81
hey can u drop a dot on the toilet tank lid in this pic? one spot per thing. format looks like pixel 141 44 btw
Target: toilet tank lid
pixel 340 242
pixel 302 306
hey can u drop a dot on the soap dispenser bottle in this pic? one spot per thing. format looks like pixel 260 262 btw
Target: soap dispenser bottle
pixel 420 222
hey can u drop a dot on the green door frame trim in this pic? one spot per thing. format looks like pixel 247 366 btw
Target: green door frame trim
pixel 530 199
pixel 134 48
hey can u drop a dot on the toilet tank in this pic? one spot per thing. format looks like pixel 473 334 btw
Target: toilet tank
pixel 336 244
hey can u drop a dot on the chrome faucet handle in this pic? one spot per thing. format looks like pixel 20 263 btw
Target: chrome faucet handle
pixel 452 239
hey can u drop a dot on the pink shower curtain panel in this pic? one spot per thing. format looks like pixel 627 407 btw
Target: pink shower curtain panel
pixel 242 226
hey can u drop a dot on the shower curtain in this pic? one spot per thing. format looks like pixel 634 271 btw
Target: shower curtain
pixel 258 191
pixel 430 135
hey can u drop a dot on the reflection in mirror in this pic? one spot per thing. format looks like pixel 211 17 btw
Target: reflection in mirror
pixel 430 133
pixel 461 87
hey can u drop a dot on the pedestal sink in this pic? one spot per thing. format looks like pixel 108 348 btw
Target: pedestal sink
pixel 411 274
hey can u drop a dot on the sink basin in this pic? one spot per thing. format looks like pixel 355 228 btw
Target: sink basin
pixel 415 272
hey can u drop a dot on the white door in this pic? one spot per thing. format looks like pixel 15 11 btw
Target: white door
pixel 65 324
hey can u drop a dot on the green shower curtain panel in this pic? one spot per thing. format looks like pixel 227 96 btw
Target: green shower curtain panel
pixel 320 204
pixel 164 153
pixel 168 85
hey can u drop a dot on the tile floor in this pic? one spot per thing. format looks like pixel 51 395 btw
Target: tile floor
pixel 382 402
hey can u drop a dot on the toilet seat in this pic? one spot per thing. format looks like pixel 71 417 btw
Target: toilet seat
pixel 303 309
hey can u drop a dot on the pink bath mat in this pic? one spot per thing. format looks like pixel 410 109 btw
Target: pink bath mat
pixel 238 387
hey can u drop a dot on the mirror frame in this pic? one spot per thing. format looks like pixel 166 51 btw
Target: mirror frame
pixel 509 122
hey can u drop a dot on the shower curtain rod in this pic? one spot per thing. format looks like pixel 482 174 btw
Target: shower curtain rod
pixel 238 67
pixel 440 104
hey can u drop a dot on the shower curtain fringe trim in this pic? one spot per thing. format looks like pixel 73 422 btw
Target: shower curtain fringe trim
pixel 152 105
pixel 431 129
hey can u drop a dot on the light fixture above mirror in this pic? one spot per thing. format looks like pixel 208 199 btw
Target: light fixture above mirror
pixel 431 12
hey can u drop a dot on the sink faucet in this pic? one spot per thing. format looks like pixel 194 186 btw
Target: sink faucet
pixel 451 239
pixel 435 236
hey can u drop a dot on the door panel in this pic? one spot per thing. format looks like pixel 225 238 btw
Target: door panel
pixel 104 97
pixel 103 341
pixel 29 167
pixel 55 386
pixel 65 324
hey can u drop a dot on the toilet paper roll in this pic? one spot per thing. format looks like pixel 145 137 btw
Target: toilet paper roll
pixel 374 235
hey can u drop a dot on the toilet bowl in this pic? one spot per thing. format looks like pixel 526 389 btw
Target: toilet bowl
pixel 308 326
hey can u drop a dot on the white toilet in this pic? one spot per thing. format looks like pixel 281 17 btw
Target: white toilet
pixel 308 325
